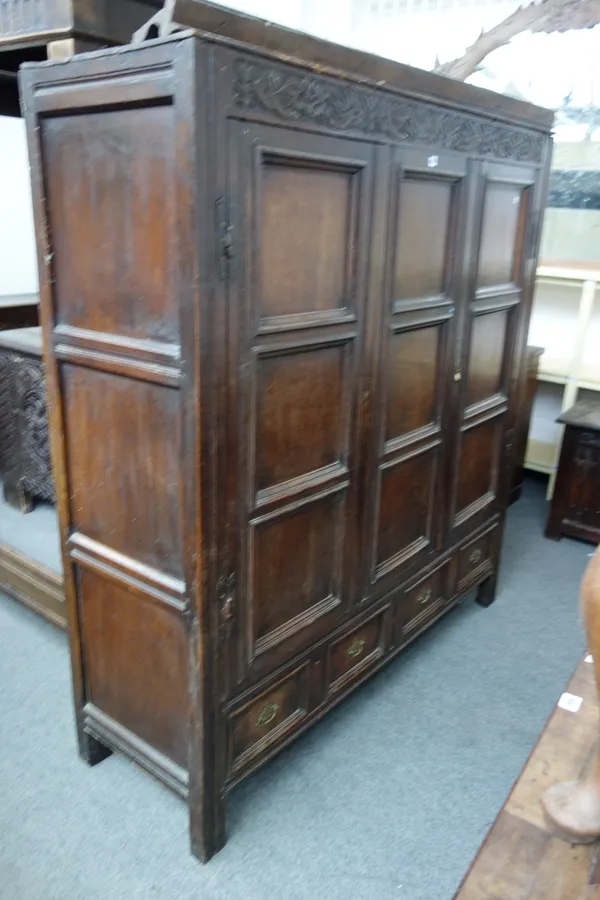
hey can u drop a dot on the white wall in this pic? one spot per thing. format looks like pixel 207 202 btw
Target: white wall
pixel 18 265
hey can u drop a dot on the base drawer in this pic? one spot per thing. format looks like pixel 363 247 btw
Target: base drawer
pixel 268 718
pixel 349 656
pixel 476 558
pixel 421 603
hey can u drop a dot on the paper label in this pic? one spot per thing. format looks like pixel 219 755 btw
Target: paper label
pixel 570 702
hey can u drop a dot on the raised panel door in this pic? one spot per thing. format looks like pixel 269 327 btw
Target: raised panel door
pixel 404 520
pixel 483 379
pixel 301 226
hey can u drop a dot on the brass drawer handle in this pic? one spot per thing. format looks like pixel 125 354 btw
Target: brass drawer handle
pixel 356 648
pixel 475 556
pixel 424 596
pixel 267 715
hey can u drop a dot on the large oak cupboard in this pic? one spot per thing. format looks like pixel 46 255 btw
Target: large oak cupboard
pixel 285 294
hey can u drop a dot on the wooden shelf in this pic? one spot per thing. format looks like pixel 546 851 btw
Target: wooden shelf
pixel 566 320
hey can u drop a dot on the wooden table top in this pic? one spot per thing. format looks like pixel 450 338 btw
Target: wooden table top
pixel 521 859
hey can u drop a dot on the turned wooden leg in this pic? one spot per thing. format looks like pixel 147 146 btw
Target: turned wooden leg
pixel 486 592
pixel 574 806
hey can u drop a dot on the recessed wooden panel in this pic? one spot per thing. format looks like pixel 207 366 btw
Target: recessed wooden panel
pixel 412 380
pixel 135 663
pixel 478 468
pixel 425 207
pixel 306 239
pixel 122 438
pixel 486 356
pixel 111 212
pixel 301 413
pixel 295 561
pixel 406 507
pixel 499 231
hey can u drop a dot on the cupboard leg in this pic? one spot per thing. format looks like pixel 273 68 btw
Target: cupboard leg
pixel 553 529
pixel 91 750
pixel 207 827
pixel 486 593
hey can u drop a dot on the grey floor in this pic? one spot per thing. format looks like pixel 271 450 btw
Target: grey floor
pixel 35 533
pixel 389 797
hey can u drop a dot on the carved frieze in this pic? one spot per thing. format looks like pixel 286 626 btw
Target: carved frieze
pixel 318 100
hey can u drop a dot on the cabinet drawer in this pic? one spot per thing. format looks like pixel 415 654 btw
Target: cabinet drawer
pixel 268 718
pixel 421 603
pixel 358 650
pixel 476 557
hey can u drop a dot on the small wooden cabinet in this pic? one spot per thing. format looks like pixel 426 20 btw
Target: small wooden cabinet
pixel 285 295
pixel 575 506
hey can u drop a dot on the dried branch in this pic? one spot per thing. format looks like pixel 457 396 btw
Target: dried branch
pixel 547 16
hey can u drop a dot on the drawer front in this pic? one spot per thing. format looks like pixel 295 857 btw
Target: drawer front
pixel 422 602
pixel 362 647
pixel 475 558
pixel 268 718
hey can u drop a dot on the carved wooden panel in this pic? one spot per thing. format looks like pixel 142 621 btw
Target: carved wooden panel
pixel 118 197
pixel 301 302
pixel 413 361
pixel 293 96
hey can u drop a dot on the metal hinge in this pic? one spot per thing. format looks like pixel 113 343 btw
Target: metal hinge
pixel 225 238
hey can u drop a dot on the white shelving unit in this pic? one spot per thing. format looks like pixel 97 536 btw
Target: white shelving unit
pixel 566 322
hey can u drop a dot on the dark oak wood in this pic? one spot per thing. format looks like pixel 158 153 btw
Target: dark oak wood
pixel 259 282
pixel 25 464
pixel 575 506
pixel 522 858
pixel 523 418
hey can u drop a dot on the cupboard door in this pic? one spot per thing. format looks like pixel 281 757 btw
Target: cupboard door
pixel 404 526
pixel 483 377
pixel 304 205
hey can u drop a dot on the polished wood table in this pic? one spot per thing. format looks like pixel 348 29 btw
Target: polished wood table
pixel 521 858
